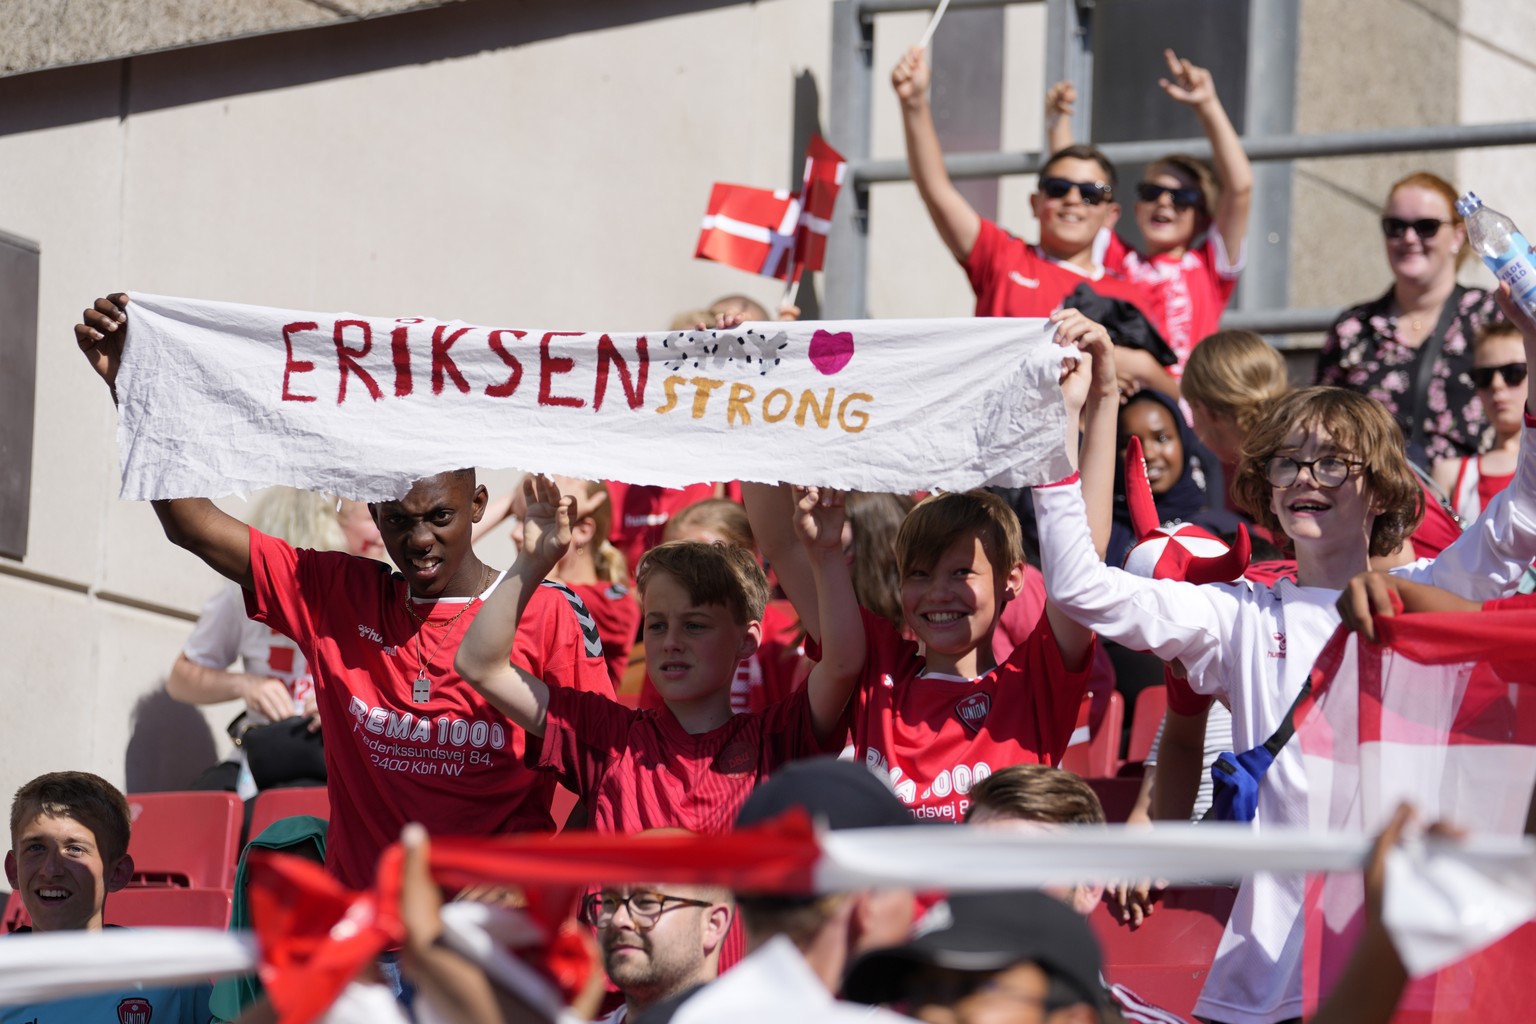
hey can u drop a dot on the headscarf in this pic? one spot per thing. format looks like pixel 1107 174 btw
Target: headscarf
pixel 1185 502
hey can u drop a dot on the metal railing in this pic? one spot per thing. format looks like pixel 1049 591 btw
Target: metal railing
pixel 1069 51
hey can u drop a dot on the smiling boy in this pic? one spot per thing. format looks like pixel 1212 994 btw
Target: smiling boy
pixel 69 849
pixel 933 708
pixel 405 739
pixel 692 763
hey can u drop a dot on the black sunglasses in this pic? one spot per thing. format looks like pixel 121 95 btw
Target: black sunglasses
pixel 1513 374
pixel 1183 198
pixel 1093 192
pixel 1396 227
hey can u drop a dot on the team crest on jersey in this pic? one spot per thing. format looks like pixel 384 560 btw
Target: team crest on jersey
pixel 594 642
pixel 736 759
pixel 974 709
pixel 134 1010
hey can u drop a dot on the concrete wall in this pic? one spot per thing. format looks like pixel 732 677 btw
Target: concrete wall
pixel 545 164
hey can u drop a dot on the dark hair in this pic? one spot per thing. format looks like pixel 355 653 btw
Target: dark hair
pixel 1196 170
pixel 1357 424
pixel 939 519
pixel 712 574
pixel 1037 792
pixel 80 796
pixel 1083 151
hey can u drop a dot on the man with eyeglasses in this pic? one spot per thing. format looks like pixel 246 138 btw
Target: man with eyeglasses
pixel 801 944
pixel 658 941
pixel 1075 200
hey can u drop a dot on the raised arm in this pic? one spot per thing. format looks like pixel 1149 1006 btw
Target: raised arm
pixel 485 652
pixel 197 524
pixel 1060 101
pixel 818 523
pixel 1193 86
pixel 771 512
pixel 958 223
pixel 1091 394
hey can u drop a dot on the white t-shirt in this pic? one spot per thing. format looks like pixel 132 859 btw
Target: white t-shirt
pixel 224 633
pixel 773 985
pixel 1254 646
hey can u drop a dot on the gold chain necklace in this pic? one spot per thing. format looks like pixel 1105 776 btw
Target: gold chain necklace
pixel 421 689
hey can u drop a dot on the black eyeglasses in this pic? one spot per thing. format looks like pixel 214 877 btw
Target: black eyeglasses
pixel 1093 192
pixel 645 908
pixel 1328 471
pixel 1513 374
pixel 1183 198
pixel 1396 227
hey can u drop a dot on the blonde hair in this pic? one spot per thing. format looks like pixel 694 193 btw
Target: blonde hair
pixel 304 519
pixel 1432 182
pixel 608 561
pixel 721 516
pixel 1358 425
pixel 1236 375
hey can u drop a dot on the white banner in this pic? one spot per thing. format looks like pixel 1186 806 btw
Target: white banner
pixel 1490 871
pixel 219 398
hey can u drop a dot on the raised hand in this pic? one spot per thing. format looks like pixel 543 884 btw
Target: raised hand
pixel 1060 101
pixel 819 517
pixel 910 77
pixel 1095 373
pixel 547 521
pixel 101 334
pixel 1190 84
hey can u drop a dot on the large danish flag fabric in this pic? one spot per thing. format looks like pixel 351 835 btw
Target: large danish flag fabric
pixel 771 232
pixel 1441 713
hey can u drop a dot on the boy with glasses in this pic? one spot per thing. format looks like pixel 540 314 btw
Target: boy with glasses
pixel 1075 201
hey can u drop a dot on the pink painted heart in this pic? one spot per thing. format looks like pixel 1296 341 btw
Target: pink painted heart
pixel 830 352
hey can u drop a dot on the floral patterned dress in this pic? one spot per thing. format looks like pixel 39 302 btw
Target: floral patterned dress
pixel 1364 353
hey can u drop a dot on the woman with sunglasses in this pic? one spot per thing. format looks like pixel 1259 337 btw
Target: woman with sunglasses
pixel 1325 468
pixel 1499 373
pixel 1412 347
pixel 1193 223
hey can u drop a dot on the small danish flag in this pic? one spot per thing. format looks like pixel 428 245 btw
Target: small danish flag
pixel 771 232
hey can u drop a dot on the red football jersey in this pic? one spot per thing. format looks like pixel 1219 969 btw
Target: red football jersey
pixel 453 763
pixel 616 613
pixel 639 769
pixel 939 735
pixel 1190 291
pixel 1013 278
pixel 640 514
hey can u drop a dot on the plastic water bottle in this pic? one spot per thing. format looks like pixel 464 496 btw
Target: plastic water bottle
pixel 1502 247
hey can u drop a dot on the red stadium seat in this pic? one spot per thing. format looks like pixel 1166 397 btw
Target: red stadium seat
pixel 15 914
pixel 1100 756
pixel 1151 704
pixel 1165 961
pixel 1118 796
pixel 181 908
pixel 189 839
pixel 274 804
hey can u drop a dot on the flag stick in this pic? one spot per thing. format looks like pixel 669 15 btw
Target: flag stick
pixel 933 23
pixel 794 283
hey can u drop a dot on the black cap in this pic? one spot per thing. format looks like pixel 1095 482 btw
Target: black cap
pixel 836 794
pixel 986 932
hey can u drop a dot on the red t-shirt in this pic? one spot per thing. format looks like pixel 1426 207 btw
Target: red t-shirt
pixel 938 735
pixel 1013 278
pixel 640 514
pixel 639 769
pixel 1190 291
pixel 454 763
pixel 616 614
